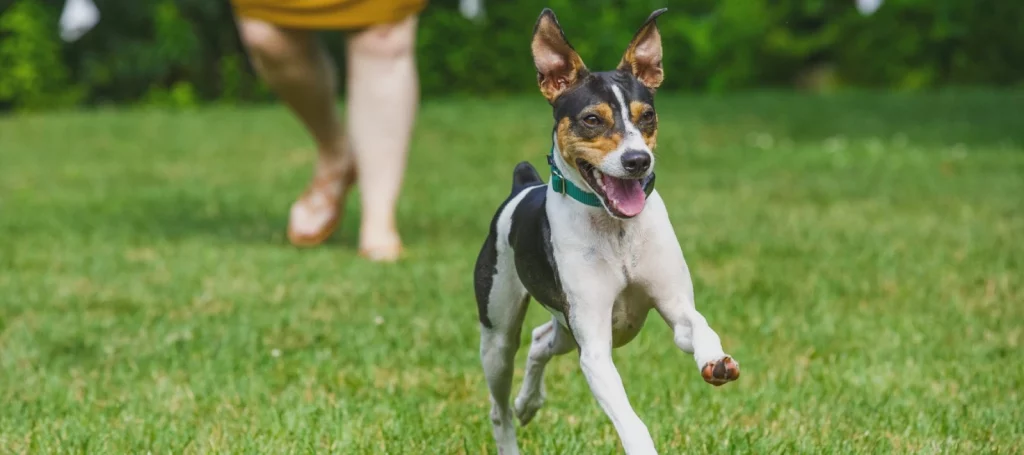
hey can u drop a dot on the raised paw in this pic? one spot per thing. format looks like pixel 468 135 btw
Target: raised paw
pixel 720 371
pixel 527 406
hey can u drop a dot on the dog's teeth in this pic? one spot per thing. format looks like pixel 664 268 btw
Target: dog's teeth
pixel 597 175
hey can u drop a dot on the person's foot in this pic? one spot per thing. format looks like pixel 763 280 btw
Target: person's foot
pixel 380 245
pixel 317 212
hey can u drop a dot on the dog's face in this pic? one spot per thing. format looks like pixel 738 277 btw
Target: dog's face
pixel 606 127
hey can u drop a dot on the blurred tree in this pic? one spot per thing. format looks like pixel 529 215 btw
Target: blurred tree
pixel 182 52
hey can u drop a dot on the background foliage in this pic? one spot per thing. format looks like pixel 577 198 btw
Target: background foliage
pixel 183 52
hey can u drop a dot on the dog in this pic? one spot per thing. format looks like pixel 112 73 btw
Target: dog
pixel 594 245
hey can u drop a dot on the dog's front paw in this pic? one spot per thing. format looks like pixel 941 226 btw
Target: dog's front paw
pixel 720 371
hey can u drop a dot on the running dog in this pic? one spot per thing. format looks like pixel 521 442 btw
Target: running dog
pixel 594 246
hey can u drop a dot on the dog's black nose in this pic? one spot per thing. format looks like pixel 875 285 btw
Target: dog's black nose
pixel 635 162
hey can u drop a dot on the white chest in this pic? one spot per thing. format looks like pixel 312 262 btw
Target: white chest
pixel 605 262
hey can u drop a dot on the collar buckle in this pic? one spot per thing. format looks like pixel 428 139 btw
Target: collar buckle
pixel 556 177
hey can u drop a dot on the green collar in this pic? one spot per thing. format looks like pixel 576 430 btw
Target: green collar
pixel 562 185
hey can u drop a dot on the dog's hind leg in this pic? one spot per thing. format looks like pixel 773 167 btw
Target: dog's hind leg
pixel 502 301
pixel 549 340
pixel 498 346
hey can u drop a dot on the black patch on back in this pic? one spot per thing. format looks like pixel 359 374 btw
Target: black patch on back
pixel 523 177
pixel 530 238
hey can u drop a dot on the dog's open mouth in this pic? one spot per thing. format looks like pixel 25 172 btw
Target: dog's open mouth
pixel 624 197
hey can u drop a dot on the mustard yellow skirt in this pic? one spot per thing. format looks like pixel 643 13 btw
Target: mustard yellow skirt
pixel 328 14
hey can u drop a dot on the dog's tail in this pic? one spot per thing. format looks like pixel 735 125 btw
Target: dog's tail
pixel 524 176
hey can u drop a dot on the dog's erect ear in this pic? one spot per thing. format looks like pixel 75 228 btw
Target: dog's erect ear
pixel 643 56
pixel 558 64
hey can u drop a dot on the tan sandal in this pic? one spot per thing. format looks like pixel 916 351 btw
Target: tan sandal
pixel 321 206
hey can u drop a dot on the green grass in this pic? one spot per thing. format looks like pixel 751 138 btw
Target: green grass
pixel 861 255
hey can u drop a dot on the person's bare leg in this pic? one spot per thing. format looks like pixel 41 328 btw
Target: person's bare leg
pixel 297 68
pixel 383 94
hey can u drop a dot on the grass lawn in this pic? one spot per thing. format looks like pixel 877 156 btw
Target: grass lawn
pixel 860 255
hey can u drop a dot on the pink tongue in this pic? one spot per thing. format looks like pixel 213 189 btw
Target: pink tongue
pixel 626 196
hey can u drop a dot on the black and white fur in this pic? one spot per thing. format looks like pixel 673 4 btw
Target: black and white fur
pixel 598 274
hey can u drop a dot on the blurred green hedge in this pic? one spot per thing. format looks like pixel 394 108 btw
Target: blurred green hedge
pixel 185 52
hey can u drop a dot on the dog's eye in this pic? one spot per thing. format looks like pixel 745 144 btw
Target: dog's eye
pixel 592 120
pixel 647 116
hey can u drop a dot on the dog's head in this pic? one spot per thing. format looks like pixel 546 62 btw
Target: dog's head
pixel 605 124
